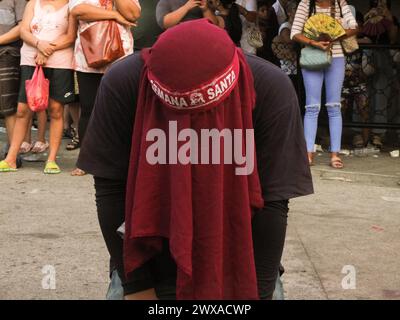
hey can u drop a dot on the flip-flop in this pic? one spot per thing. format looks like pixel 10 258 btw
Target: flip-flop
pixel 39 147
pixel 336 163
pixel 5 167
pixel 51 168
pixel 25 147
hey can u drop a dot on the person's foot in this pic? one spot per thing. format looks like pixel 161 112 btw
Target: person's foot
pixel 40 147
pixel 78 172
pixel 358 141
pixel 74 144
pixel 25 147
pixel 310 158
pixel 51 168
pixel 336 163
pixel 377 141
pixel 7 167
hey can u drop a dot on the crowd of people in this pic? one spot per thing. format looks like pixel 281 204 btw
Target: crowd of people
pixel 217 67
pixel 47 33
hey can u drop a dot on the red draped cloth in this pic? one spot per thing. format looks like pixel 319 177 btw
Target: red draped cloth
pixel 195 78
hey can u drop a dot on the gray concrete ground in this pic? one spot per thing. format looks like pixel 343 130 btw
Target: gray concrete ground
pixel 350 225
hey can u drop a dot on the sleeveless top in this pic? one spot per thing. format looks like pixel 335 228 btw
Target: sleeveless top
pixel 49 25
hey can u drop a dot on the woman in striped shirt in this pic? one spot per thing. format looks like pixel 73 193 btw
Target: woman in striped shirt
pixel 333 75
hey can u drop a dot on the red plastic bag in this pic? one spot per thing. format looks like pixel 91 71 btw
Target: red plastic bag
pixel 37 91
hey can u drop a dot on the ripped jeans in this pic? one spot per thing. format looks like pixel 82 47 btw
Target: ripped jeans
pixel 313 81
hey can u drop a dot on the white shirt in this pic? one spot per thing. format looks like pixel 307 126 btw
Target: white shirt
pixel 280 12
pixel 348 21
pixel 80 63
pixel 249 5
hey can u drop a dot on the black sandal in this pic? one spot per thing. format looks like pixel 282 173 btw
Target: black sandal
pixel 74 144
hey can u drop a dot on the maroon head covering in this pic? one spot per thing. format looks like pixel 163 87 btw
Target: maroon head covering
pixel 183 185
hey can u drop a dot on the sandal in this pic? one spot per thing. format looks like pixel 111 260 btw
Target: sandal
pixel 25 147
pixel 51 168
pixel 68 133
pixel 40 147
pixel 78 173
pixel 336 163
pixel 358 141
pixel 5 167
pixel 377 141
pixel 74 144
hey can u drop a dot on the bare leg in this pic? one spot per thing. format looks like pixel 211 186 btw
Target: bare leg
pixel 56 128
pixel 66 117
pixel 10 123
pixel 23 117
pixel 42 123
pixel 74 111
pixel 28 134
pixel 149 294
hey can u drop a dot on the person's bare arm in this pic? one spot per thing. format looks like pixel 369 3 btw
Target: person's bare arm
pixel 10 36
pixel 26 35
pixel 351 32
pixel 250 16
pixel 173 18
pixel 322 45
pixel 128 9
pixel 87 12
pixel 68 39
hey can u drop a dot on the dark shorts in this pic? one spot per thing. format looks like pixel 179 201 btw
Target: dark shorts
pixel 159 273
pixel 61 84
pixel 9 84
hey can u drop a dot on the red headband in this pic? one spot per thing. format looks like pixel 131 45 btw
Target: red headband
pixel 207 95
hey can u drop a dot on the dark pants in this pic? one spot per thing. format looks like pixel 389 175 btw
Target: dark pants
pixel 88 85
pixel 269 231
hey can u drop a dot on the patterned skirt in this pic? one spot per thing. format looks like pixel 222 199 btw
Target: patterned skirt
pixel 9 83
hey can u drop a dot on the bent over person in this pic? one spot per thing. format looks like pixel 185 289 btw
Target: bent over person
pixel 179 126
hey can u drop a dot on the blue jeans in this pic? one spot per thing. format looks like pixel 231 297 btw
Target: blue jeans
pixel 313 81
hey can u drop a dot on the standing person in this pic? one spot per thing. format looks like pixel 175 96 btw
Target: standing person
pixel 229 12
pixel 333 76
pixel 285 48
pixel 281 161
pixel 281 11
pixel 11 13
pixel 88 13
pixel 269 28
pixel 147 30
pixel 48 32
pixel 381 81
pixel 355 91
pixel 169 13
pixel 248 15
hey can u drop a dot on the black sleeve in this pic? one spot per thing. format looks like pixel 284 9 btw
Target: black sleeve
pixel 281 148
pixel 106 149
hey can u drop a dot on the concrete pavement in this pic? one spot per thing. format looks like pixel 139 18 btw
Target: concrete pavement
pixel 349 223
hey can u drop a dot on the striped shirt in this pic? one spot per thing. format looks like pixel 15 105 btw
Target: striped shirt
pixel 348 21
